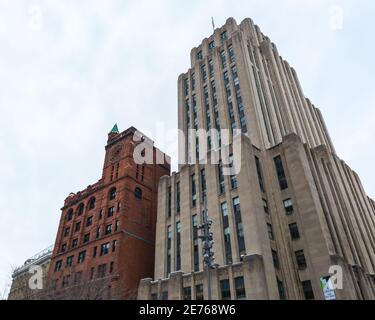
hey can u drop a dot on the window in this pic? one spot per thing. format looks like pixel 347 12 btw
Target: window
pixel 89 221
pixel 193 191
pixel 112 194
pixel 211 68
pixel 275 259
pixel 63 247
pixel 117 225
pixel 223 36
pixel 169 246
pixel 86 238
pixel 288 206
pixel 81 256
pixel 186 86
pixel 111 267
pixel 81 208
pixel 108 229
pixel 195 242
pixel 203 183
pixel 307 290
pixel 240 288
pixel 226 233
pixel 270 232
pixel 69 261
pixel 280 173
pixel 192 81
pixel 114 245
pixel 92 273
pixel 94 252
pixel 92 202
pixel 178 197
pixel 204 73
pixel 169 206
pixel 65 282
pixel 164 295
pixel 239 226
pixel 301 259
pixel 223 59
pixel 233 177
pixel 111 211
pixel 178 246
pixel 294 233
pixel 58 265
pixel 104 249
pixel 118 206
pixel 78 226
pixel 265 205
pixel 186 294
pixel 100 214
pixel 74 243
pixel 77 277
pixel 66 231
pixel 97 232
pixel 199 292
pixel 69 215
pixel 211 45
pixel 138 193
pixel 280 287
pixel 102 270
pixel 231 54
pixel 221 178
pixel 225 289
pixel 260 174
pixel 199 55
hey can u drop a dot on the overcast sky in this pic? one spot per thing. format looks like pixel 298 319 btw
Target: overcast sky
pixel 69 70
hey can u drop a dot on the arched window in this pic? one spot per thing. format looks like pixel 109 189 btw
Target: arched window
pixel 69 215
pixel 92 203
pixel 81 207
pixel 138 193
pixel 112 194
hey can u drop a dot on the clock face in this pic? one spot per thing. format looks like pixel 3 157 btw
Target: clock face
pixel 116 153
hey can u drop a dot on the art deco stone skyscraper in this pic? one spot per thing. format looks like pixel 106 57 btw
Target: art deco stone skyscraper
pixel 294 210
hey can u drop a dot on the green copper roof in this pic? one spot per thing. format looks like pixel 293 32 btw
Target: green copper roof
pixel 115 129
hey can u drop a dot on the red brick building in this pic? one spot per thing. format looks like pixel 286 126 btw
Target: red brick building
pixel 105 240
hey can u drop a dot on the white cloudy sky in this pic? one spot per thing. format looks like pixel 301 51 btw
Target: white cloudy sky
pixel 71 69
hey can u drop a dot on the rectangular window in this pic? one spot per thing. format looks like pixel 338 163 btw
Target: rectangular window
pixel 223 36
pixel 77 277
pixel 94 252
pixel 301 259
pixel 221 178
pixel 78 226
pixel 308 290
pixel 86 238
pixel 270 232
pixel 193 191
pixel 225 289
pixel 211 45
pixel 178 246
pixel 114 245
pixel 178 198
pixel 97 232
pixel 239 226
pixel 169 206
pixel 240 288
pixel 117 225
pixel 74 243
pixel 226 233
pixel 211 68
pixel 204 73
pixel 231 54
pixel 108 229
pixel 260 174
pixel 280 287
pixel 104 249
pixel 63 247
pixel 195 243
pixel 65 281
pixel 58 265
pixel 275 259
pixel 199 292
pixel 66 231
pixel 280 173
pixel 186 293
pixel 169 253
pixel 89 221
pixel 102 270
pixel 199 55
pixel 294 233
pixel 164 295
pixel 233 178
pixel 203 183
pixel 193 81
pixel 111 211
pixel 81 256
pixel 223 59
pixel 186 86
pixel 69 261
pixel 265 205
pixel 288 206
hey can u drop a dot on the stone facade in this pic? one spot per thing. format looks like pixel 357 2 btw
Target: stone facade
pixel 294 210
pixel 20 289
pixel 108 229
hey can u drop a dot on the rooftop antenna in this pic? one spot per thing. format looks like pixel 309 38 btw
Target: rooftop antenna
pixel 213 23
